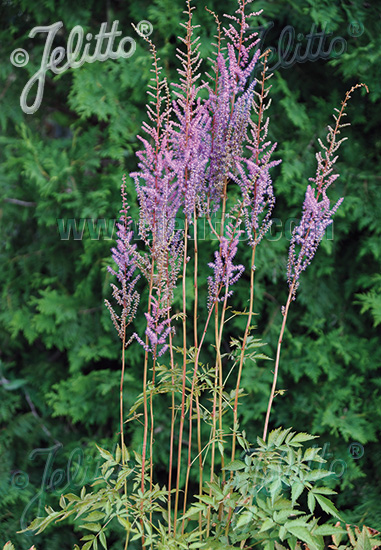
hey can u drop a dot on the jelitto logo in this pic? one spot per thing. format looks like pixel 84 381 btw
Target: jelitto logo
pixel 75 57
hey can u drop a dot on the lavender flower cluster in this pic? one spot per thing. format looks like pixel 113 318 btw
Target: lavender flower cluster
pixel 225 273
pixel 212 134
pixel 125 257
pixel 317 212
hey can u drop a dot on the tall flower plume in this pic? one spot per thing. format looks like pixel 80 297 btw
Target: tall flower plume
pixel 126 259
pixel 241 152
pixel 190 132
pixel 317 212
pixel 160 196
pixel 231 91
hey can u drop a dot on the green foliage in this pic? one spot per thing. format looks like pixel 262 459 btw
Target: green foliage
pixel 261 503
pixel 271 479
pixel 371 300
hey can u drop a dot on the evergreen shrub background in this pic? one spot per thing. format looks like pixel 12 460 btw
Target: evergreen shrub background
pixel 59 354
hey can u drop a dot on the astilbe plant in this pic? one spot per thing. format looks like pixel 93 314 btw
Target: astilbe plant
pixel 206 152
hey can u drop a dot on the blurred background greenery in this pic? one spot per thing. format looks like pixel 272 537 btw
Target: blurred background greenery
pixel 59 354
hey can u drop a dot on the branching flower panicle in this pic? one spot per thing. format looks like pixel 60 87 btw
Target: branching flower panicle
pixel 156 185
pixel 252 171
pixel 225 273
pixel 190 132
pixel 317 213
pixel 317 216
pixel 158 329
pixel 240 45
pixel 125 257
pixel 159 194
pixel 257 197
pixel 231 101
pixel 262 200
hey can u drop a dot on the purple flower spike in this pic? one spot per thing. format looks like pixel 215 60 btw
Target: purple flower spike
pixel 225 273
pixel 317 216
pixel 125 257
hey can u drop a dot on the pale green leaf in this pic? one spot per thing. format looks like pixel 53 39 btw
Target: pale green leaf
pixel 311 502
pixel 327 506
pixel 235 465
pixel 95 527
pixel 301 438
pixel 124 522
pixel 102 538
pixel 244 519
pixel 328 530
pixel 296 490
pixel 267 524
pixel 323 491
pixel 94 516
pixel 118 454
pixel 105 454
pixel 303 534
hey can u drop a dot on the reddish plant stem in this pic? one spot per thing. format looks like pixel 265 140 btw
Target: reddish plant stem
pixel 242 354
pixel 319 187
pixel 251 302
pixel 172 426
pixel 272 394
pixel 145 404
pixel 122 424
pixel 182 416
pixel 195 338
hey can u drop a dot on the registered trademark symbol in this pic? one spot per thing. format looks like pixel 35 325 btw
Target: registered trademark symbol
pixel 356 450
pixel 355 28
pixel 145 28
